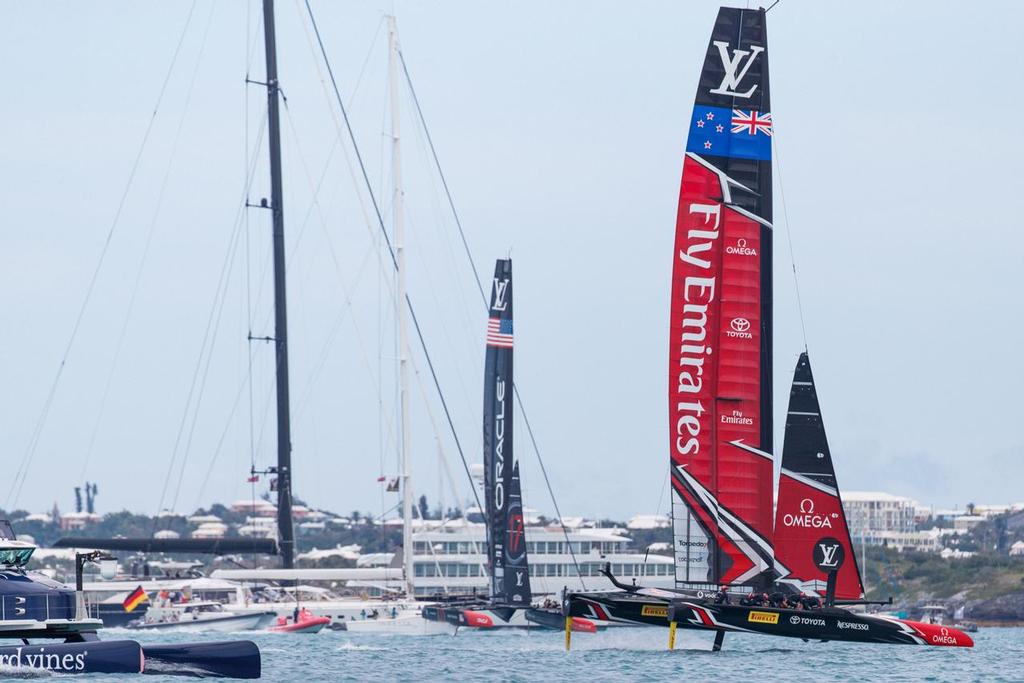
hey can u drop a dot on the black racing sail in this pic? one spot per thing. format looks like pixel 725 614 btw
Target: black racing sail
pixel 811 534
pixel 506 542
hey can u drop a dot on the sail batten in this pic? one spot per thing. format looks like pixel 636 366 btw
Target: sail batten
pixel 720 334
pixel 506 539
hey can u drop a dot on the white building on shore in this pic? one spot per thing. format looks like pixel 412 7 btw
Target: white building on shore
pixel 871 513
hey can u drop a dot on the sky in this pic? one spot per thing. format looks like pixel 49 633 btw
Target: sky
pixel 560 128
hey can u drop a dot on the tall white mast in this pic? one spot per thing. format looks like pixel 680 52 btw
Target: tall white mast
pixel 400 316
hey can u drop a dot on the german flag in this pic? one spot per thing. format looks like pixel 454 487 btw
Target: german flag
pixel 137 597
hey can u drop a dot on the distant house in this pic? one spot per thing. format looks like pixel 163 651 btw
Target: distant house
pixel 645 522
pixel 78 520
pixel 259 507
pixel 204 519
pixel 210 530
pixel 42 517
pixel 967 522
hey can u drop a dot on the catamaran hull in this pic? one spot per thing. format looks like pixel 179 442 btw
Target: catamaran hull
pixel 238 659
pixel 113 657
pixel 406 624
pixel 227 624
pixel 831 623
pixel 484 617
pixel 225 659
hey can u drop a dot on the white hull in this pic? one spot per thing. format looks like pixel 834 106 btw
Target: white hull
pixel 234 622
pixel 406 624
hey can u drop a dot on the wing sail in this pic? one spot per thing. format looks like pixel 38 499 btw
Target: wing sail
pixel 506 541
pixel 720 336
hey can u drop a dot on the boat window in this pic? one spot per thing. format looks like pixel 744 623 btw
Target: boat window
pixel 16 557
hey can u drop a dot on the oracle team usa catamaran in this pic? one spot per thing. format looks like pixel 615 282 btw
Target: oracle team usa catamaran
pixel 508 603
pixel 727 539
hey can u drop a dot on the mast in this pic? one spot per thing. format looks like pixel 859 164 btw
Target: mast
pixel 403 334
pixel 285 530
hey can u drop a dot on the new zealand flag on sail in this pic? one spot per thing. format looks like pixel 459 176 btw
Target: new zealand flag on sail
pixel 743 133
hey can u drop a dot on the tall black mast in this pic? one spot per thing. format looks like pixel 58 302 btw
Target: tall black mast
pixel 286 533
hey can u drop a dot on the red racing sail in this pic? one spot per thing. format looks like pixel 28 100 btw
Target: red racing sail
pixel 720 380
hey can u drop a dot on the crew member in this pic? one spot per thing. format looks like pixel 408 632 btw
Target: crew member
pixel 722 596
pixel 810 601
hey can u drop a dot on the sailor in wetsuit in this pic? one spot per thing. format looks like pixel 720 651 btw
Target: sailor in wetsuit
pixel 753 599
pixel 810 601
pixel 793 601
pixel 722 596
pixel 777 599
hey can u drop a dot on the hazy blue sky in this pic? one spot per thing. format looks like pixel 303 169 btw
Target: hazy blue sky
pixel 561 127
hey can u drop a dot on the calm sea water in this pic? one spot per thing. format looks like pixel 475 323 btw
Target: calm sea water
pixel 626 654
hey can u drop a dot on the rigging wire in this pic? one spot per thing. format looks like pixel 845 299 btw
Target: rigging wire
pixel 789 238
pixel 391 249
pixel 216 306
pixel 248 261
pixel 119 345
pixel 483 296
pixel 18 481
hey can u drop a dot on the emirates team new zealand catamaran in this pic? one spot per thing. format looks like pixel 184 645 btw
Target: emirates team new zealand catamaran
pixel 727 541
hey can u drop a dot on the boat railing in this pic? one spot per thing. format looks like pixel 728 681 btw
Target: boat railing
pixel 36 607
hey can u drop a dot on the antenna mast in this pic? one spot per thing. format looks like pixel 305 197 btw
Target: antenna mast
pixel 285 530
pixel 403 334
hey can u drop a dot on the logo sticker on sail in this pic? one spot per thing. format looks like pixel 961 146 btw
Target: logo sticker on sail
pixel 736 67
pixel 756 617
pixel 739 328
pixel 808 518
pixel 741 248
pixel 828 554
pixel 736 418
pixel 654 611
pixel 500 291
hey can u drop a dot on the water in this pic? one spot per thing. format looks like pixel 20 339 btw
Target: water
pixel 627 654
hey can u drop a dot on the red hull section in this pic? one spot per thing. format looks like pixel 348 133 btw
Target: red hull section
pixel 477 619
pixel 941 636
pixel 581 625
pixel 307 623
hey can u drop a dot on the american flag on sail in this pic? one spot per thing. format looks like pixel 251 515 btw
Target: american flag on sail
pixel 499 333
